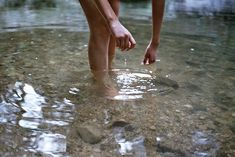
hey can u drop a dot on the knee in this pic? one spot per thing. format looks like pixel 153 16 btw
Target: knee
pixel 100 33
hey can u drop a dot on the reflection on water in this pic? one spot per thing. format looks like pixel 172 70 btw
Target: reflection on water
pixel 133 84
pixel 186 99
pixel 22 98
pixel 200 7
pixel 135 146
pixel 51 144
pixel 31 102
pixel 55 13
pixel 204 144
pixel 27 16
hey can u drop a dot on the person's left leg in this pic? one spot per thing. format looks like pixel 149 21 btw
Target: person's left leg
pixel 115 4
pixel 99 48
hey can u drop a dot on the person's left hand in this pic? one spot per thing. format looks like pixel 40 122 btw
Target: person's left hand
pixel 150 54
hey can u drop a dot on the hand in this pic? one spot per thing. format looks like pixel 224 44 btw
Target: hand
pixel 150 54
pixel 123 37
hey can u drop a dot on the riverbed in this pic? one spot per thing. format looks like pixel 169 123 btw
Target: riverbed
pixel 180 106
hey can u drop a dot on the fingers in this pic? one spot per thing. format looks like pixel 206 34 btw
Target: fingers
pixel 148 59
pixel 122 46
pixel 118 43
pixel 125 43
pixel 151 61
pixel 132 41
pixel 145 60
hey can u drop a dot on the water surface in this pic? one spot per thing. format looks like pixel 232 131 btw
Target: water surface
pixel 183 105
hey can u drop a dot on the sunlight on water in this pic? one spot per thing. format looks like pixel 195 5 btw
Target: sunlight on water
pixel 51 144
pixel 32 102
pixel 133 84
pixel 29 101
pixel 134 147
pixel 204 144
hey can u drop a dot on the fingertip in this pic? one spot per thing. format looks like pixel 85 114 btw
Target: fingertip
pixel 133 42
pixel 145 60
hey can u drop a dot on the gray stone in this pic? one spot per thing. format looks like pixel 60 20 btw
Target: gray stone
pixel 90 133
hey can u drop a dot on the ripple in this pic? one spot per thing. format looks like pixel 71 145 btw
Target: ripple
pixel 51 144
pixel 135 84
pixel 204 144
pixel 130 147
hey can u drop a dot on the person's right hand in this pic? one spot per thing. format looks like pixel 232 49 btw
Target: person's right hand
pixel 124 39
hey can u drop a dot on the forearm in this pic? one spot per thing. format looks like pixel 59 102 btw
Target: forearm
pixel 157 16
pixel 106 10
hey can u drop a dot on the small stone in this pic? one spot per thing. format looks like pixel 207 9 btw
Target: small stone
pixel 90 133
pixel 97 150
pixel 233 114
pixel 188 106
pixel 153 128
pixel 202 117
pixel 178 111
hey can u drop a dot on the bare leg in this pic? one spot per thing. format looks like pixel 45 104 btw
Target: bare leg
pixel 99 36
pixel 115 4
pixel 98 50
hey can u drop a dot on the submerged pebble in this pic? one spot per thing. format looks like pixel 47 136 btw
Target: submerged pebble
pixel 90 133
pixel 233 114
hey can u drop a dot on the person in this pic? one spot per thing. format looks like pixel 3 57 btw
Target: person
pixel 107 33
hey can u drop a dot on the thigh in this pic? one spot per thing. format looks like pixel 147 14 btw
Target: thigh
pixel 93 15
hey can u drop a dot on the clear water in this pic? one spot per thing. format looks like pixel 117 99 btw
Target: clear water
pixel 183 105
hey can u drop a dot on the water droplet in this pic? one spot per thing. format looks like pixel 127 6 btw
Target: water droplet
pixel 158 139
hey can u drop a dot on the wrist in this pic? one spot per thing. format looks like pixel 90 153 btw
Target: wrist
pixel 154 43
pixel 113 22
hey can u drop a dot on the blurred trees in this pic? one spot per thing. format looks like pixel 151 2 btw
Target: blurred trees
pixel 33 4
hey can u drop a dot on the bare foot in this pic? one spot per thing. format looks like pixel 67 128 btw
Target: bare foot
pixel 104 85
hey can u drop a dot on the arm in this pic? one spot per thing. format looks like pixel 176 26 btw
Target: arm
pixel 123 37
pixel 157 16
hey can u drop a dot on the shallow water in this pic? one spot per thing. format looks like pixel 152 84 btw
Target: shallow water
pixel 183 105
